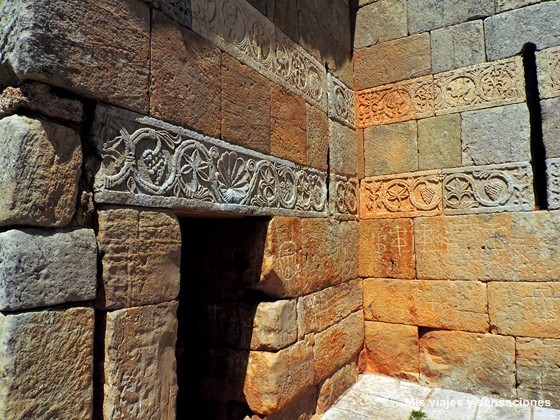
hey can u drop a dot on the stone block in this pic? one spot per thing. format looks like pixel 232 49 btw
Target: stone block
pixel 64 43
pixel 41 165
pixel 343 197
pixel 391 149
pixel 457 46
pixel 507 33
pixel 285 17
pixel 245 106
pixel 180 11
pixel 44 268
pixel 495 409
pixel 496 135
pixel 488 247
pixel 185 77
pixel 540 413
pixel 46 364
pixel 392 61
pixel 476 363
pixel 380 21
pixel 275 379
pixel 317 138
pixel 451 305
pixel 341 102
pixel 288 138
pixel 525 309
pixel 342 149
pixel 439 142
pixel 553 183
pixel 392 349
pixel 139 365
pixel 332 388
pixel 141 256
pixel 444 403
pixel 338 345
pixel 551 126
pixel 425 15
pixel 548 72
pixel 538 371
pixel 504 5
pixel 387 248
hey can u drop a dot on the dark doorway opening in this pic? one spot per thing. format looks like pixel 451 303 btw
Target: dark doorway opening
pixel 221 263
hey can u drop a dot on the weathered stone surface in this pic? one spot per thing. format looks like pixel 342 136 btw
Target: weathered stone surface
pixel 538 371
pixel 40 98
pixel 46 364
pixel 404 195
pixel 503 5
pixel 525 309
pixel 64 43
pixel 317 138
pixel 387 248
pixel 392 349
pixel 439 142
pixel 302 407
pixel 453 305
pixel 494 409
pixel 338 345
pixel 457 46
pixel 178 10
pixel 342 149
pixel 425 15
pixel 392 61
pixel 403 101
pixel 488 189
pixel 141 256
pixel 41 165
pixel 288 138
pixel 139 366
pixel 540 413
pixel 480 86
pixel 341 101
pixel 391 149
pixel 477 363
pixel 507 33
pixel 553 183
pixel 444 403
pixel 548 72
pixel 332 388
pixel 551 126
pixel 43 268
pixel 343 197
pixel 274 325
pixel 185 77
pixel 488 247
pixel 496 135
pixel 381 21
pixel 275 379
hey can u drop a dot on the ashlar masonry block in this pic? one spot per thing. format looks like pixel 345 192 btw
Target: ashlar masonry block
pixel 548 71
pixel 380 21
pixel 551 126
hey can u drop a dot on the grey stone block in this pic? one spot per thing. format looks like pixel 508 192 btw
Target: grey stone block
pixel 439 142
pixel 504 5
pixel 42 268
pixel 551 126
pixel 381 21
pixel 507 33
pixel 343 149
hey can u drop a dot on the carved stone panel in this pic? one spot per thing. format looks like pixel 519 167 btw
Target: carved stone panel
pixel 343 196
pixel 180 10
pixel 403 195
pixel 548 69
pixel 147 162
pixel 553 182
pixel 485 189
pixel 342 102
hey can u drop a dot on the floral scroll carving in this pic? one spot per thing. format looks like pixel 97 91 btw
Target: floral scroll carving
pixel 342 102
pixel 344 196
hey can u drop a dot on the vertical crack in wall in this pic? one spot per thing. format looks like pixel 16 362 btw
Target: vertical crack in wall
pixel 538 152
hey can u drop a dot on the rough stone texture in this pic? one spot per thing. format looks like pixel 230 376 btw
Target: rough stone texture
pixel 548 72
pixel 40 98
pixel 46 364
pixel 525 309
pixel 341 102
pixel 64 43
pixel 337 345
pixel 317 138
pixel 245 106
pixel 275 379
pixel 507 33
pixel 551 126
pixel 452 305
pixel 141 256
pixel 179 10
pixel 425 15
pixel 497 246
pixel 496 135
pixel 43 267
pixel 436 407
pixel 392 61
pixel 381 21
pixel 332 388
pixel 387 248
pixel 41 165
pixel 493 409
pixel 274 325
pixel 392 349
pixel 439 142
pixel 185 77
pixel 391 149
pixel 540 413
pixel 553 183
pixel 288 126
pixel 538 372
pixel 457 46
pixel 477 363
pixel 342 149
pixel 139 365
pixel 503 5
pixel 302 407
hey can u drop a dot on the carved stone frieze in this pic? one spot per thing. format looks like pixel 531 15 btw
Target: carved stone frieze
pixel 484 189
pixel 548 70
pixel 343 196
pixel 180 10
pixel 147 162
pixel 553 183
pixel 342 102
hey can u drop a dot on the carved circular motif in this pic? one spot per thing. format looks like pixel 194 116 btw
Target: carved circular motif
pixel 396 103
pixel 461 91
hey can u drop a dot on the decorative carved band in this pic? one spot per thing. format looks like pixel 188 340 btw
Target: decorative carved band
pixel 344 196
pixel 342 102
pixel 548 66
pixel 553 181
pixel 150 163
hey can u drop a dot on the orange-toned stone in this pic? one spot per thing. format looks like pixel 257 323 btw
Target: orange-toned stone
pixel 387 248
pixel 392 349
pixel 332 388
pixel 538 369
pixel 317 138
pixel 288 126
